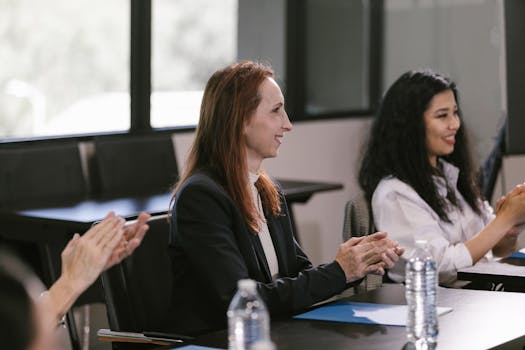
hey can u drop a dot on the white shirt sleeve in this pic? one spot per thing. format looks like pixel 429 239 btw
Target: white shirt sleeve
pixel 406 217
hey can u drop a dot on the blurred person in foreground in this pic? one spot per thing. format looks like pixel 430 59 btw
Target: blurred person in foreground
pixel 29 315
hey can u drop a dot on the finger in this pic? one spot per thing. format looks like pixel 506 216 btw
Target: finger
pixel 353 241
pixel 94 231
pixel 102 232
pixel 375 236
pixel 71 244
pixel 376 269
pixel 399 251
pixel 73 241
pixel 136 230
pixel 372 255
pixel 114 225
pixel 111 233
pixel 131 246
pixel 389 258
pixel 113 240
pixel 132 230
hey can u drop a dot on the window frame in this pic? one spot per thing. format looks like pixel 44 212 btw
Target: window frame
pixel 140 73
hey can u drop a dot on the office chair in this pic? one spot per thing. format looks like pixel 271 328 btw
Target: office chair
pixel 134 164
pixel 358 222
pixel 30 175
pixel 491 167
pixel 138 292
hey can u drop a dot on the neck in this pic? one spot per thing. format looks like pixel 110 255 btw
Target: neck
pixel 433 161
pixel 253 165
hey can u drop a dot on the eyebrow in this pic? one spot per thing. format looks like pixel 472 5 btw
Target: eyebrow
pixel 445 109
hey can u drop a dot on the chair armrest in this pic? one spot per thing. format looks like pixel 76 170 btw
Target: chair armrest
pixel 107 335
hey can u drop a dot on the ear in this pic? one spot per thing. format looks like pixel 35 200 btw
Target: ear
pixel 245 126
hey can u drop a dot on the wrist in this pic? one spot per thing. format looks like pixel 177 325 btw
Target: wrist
pixel 62 295
pixel 504 222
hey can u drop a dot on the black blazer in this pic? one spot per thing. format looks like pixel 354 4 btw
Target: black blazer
pixel 211 249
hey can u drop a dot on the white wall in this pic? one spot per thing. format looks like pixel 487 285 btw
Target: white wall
pixel 463 39
pixel 319 151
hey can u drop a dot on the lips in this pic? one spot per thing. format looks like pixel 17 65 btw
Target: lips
pixel 451 139
pixel 278 138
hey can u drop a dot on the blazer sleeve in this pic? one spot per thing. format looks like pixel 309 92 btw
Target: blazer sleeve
pixel 210 230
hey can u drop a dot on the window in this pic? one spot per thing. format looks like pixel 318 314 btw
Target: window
pixel 333 61
pixel 64 70
pixel 190 40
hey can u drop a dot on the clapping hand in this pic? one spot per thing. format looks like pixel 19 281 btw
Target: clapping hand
pixel 131 239
pixel 374 253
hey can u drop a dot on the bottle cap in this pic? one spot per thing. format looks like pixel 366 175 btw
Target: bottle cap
pixel 421 243
pixel 246 284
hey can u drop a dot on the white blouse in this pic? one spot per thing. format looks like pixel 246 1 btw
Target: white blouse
pixel 264 235
pixel 406 217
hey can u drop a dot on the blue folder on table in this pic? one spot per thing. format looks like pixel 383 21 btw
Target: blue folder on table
pixel 520 254
pixel 195 347
pixel 366 313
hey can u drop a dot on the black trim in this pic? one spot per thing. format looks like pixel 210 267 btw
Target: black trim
pixel 377 29
pixel 16 142
pixel 295 58
pixel 140 65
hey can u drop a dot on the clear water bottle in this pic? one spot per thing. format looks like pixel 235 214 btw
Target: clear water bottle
pixel 248 319
pixel 421 290
pixel 263 345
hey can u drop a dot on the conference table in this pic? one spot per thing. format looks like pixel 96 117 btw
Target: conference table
pixel 510 271
pixel 478 320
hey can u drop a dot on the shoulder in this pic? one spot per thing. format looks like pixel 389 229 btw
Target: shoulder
pixel 200 180
pixel 200 186
pixel 391 188
pixel 391 184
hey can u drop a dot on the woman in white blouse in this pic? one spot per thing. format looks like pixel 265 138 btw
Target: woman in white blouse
pixel 418 177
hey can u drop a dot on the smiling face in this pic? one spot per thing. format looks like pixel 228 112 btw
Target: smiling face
pixel 441 125
pixel 265 129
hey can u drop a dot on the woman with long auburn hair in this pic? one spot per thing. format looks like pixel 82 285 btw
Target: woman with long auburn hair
pixel 418 176
pixel 229 220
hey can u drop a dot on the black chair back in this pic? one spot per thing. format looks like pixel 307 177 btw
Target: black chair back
pixel 131 164
pixel 35 174
pixel 138 290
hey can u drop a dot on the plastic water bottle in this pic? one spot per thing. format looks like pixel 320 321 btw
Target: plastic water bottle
pixel 248 319
pixel 421 289
pixel 263 345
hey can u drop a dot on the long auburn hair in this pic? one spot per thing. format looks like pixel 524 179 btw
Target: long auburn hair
pixel 397 143
pixel 230 98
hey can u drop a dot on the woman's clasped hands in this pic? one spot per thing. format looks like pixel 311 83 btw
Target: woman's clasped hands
pixel 372 254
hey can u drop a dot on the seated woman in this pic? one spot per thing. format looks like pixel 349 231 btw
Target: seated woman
pixel 417 174
pixel 29 317
pixel 229 220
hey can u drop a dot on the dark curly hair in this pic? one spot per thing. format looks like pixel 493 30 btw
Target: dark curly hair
pixel 397 146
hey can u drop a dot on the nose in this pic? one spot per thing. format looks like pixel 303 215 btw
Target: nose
pixel 287 125
pixel 455 123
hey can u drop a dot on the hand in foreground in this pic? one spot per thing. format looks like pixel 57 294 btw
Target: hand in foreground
pixel 360 256
pixel 131 239
pixel 83 259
